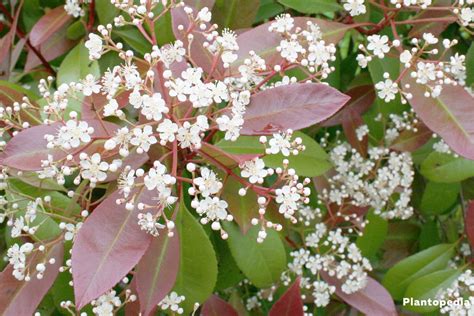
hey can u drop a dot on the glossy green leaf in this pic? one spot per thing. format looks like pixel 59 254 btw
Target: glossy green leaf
pixel 428 286
pixel 311 162
pixel 470 66
pixel 268 9
pixel 197 272
pixel 235 14
pixel 439 197
pixel 106 11
pixel 439 167
pixel 374 235
pixel 401 275
pixel 312 6
pixel 76 65
pixel 262 263
pixel 134 38
pixel 429 235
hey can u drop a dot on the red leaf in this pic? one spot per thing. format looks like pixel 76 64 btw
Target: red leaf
pixel 435 27
pixel 290 304
pixel 55 46
pixel 156 273
pixel 215 306
pixel 450 115
pixel 107 247
pixel 26 150
pixel 264 42
pixel 469 223
pixel 22 298
pixel 410 141
pixel 231 161
pixel 291 107
pixel 48 25
pixel 362 98
pixel 374 299
pixel 199 54
pixel 198 4
pixel 350 126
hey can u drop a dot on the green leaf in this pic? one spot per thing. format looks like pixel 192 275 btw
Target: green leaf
pixel 401 275
pixel 267 10
pixel 106 12
pixel 76 30
pixel 439 167
pixel 470 66
pixel 197 273
pixel 428 286
pixel 312 6
pixel 76 65
pixel 429 235
pixel 311 162
pixel 134 38
pixel 235 14
pixel 439 197
pixel 262 263
pixel 164 29
pixel 374 235
pixel 229 273
pixel 242 208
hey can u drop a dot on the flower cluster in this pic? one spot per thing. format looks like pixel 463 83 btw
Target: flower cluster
pixel 328 254
pixel 461 288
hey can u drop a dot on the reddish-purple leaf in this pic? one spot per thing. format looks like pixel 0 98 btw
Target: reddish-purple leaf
pixel 264 43
pixel 198 4
pixel 48 25
pixel 362 98
pixel 223 158
pixel 450 115
pixel 22 298
pixel 374 299
pixel 26 150
pixel 469 223
pixel 434 27
pixel 199 54
pixel 156 273
pixel 108 246
pixel 350 125
pixel 290 304
pixel 410 141
pixel 133 308
pixel 215 306
pixel 291 107
pixel 53 47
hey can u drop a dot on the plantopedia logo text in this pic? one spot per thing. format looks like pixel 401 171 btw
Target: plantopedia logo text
pixel 438 303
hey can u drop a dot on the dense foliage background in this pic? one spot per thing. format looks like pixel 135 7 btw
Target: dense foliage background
pixel 369 102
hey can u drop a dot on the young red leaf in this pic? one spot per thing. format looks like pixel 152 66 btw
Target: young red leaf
pixel 291 107
pixel 362 98
pixel 21 297
pixel 410 141
pixel 48 25
pixel 350 126
pixel 374 299
pixel 449 115
pixel 156 273
pixel 469 223
pixel 198 4
pixel 26 150
pixel 199 54
pixel 107 247
pixel 290 303
pixel 223 158
pixel 215 306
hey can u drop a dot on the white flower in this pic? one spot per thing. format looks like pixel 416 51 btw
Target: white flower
pixel 355 7
pixel 378 44
pixel 71 230
pixel 73 8
pixel 231 126
pixel 387 90
pixel 71 135
pixel 172 302
pixel 280 143
pixel 208 182
pixel 254 170
pixel 204 15
pixel 153 107
pixel 213 208
pixel 425 72
pixel 111 108
pixel 90 86
pixel 167 130
pixel 362 60
pixel 17 227
pixel 430 38
pixel 105 304
pixel 92 168
pixel 361 132
pixel 148 223
pixel 405 57
pixel 290 49
pixel 17 258
pixel 282 23
pixel 143 138
pixel 189 136
pixel 157 178
pixel 94 45
pixel 467 16
pixel 172 53
pixel 201 95
pixel 288 199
